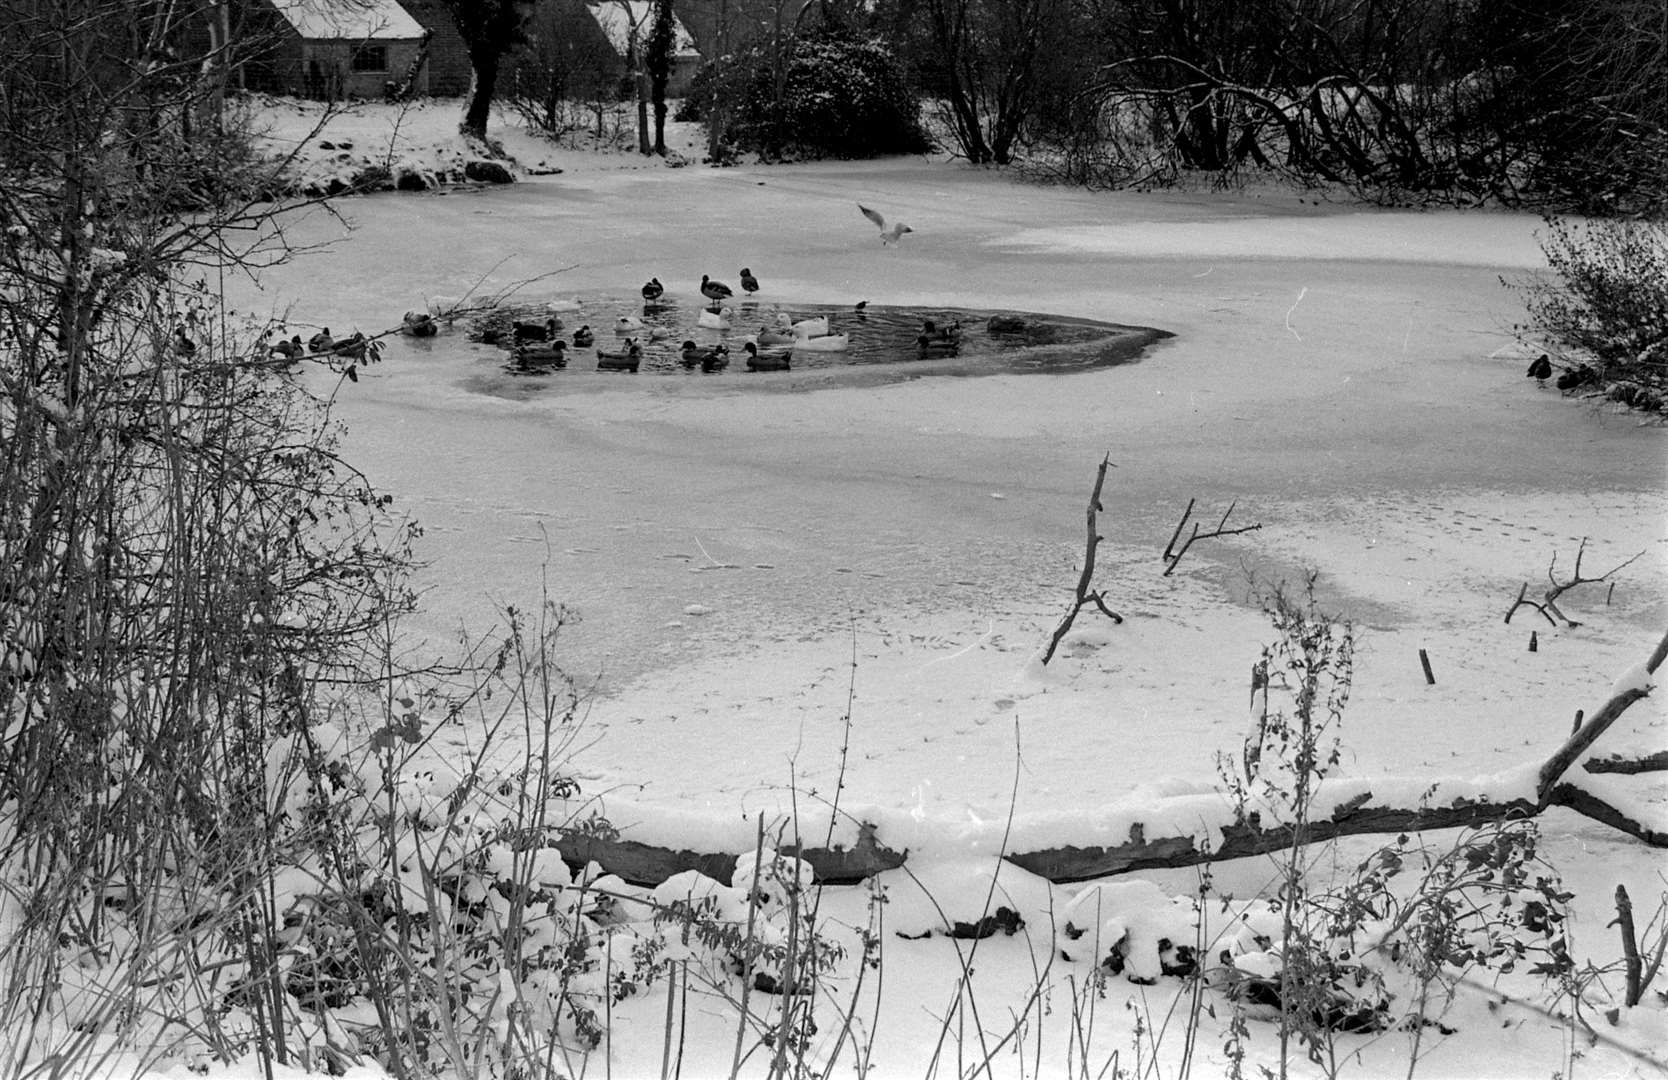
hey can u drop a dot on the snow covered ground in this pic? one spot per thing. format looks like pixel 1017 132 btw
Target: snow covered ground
pixel 748 566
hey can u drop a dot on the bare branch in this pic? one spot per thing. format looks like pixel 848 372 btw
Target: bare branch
pixel 1173 555
pixel 1084 595
pixel 1548 606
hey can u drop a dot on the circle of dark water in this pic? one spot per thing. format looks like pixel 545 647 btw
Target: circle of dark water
pixel 878 335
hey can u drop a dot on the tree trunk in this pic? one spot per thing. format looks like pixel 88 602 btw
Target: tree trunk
pixel 643 146
pixel 484 62
pixel 659 63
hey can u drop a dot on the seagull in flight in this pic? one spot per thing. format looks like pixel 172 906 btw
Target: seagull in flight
pixel 888 233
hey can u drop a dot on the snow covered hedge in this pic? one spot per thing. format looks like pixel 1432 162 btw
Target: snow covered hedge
pixel 817 96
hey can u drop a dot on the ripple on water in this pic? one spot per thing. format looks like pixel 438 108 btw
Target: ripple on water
pixel 882 343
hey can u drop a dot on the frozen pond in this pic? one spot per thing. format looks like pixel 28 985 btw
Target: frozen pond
pixel 1343 375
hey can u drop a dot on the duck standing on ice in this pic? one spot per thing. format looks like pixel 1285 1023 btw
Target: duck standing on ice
pixel 716 291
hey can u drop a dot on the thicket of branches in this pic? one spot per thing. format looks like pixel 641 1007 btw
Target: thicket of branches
pixel 1526 102
pixel 185 564
pixel 1603 308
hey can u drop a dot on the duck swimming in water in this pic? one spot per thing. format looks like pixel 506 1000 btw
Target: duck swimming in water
pixel 584 338
pixel 652 290
pixel 823 343
pixel 627 360
pixel 542 357
pixel 419 324
pixel 536 331
pixel 774 360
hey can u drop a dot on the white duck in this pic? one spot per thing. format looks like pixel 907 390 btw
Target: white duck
pixel 625 324
pixel 814 327
pixel 715 320
pixel 823 343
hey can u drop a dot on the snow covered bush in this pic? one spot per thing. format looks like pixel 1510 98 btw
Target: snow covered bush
pixel 1604 307
pixel 1386 945
pixel 817 96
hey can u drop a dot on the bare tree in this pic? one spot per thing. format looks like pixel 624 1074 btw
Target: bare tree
pixel 986 60
pixel 490 30
pixel 658 60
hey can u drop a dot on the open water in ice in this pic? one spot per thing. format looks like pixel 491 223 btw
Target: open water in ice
pixel 878 335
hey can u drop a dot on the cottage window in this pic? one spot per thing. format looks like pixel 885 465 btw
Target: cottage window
pixel 370 58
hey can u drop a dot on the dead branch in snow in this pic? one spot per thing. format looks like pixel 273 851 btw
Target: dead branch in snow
pixel 1356 817
pixel 1596 725
pixel 453 308
pixel 1630 944
pixel 1628 766
pixel 1548 606
pixel 1173 555
pixel 1084 594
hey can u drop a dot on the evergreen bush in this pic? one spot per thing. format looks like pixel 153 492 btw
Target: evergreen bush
pixel 813 97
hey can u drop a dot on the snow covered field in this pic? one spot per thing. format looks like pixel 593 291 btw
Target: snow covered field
pixel 743 562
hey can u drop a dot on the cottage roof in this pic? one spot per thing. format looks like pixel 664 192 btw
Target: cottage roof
pixel 617 17
pixel 350 20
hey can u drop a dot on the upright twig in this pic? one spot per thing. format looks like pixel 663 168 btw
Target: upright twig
pixel 747 973
pixel 1630 944
pixel 1084 594
pixel 1173 555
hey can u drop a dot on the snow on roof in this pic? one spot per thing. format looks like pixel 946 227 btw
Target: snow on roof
pixel 350 20
pixel 617 17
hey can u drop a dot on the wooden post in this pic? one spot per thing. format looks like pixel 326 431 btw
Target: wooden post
pixel 1630 945
pixel 1534 642
pixel 1425 662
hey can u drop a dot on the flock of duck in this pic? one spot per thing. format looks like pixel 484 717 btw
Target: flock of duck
pixel 355 348
pixel 542 345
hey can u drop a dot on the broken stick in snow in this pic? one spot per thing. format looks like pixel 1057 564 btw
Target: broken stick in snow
pixel 1084 594
pixel 1172 554
pixel 1586 733
pixel 1548 606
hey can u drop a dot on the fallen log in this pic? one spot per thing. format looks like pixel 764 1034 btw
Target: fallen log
pixel 649 864
pixel 1236 841
pixel 1628 766
pixel 1597 724
pixel 1215 839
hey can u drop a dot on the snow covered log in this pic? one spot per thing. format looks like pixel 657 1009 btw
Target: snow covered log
pixel 1356 817
pixel 1634 684
pixel 648 864
pixel 1349 809
pixel 1359 814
